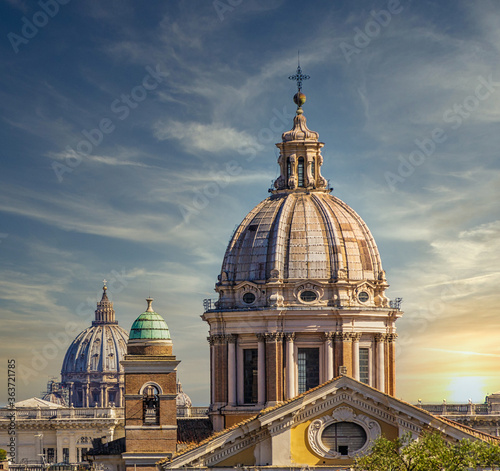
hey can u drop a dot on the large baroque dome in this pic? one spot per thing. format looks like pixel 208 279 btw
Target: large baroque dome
pixel 294 236
pixel 301 246
pixel 301 292
pixel 91 367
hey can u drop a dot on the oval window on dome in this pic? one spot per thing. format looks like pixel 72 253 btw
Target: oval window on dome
pixel 248 298
pixel 363 297
pixel 308 296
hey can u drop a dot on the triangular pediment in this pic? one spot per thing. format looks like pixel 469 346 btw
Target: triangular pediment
pixel 300 431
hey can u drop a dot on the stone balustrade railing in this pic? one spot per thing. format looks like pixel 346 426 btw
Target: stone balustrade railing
pixel 63 413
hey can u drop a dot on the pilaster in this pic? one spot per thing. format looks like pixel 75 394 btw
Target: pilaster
pixel 261 366
pixel 290 365
pixel 274 367
pixel 380 352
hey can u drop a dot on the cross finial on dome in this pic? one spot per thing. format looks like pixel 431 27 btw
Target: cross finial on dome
pixel 299 76
pixel 299 98
pixel 150 302
pixel 104 283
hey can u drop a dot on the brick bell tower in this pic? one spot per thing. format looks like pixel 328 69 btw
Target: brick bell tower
pixel 150 393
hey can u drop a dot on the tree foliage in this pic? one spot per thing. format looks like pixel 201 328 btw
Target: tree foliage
pixel 3 455
pixel 431 452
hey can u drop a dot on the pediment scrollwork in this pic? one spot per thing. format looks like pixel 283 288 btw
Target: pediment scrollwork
pixel 340 415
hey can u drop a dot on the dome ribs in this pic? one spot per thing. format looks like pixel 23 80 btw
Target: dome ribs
pixel 369 257
pixel 288 228
pixel 341 259
pixel 302 236
pixel 235 245
pixel 259 244
pixel 329 235
pixel 279 232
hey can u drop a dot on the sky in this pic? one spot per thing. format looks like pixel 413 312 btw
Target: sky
pixel 137 135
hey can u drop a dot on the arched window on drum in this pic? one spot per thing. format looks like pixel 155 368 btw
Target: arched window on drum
pixel 300 172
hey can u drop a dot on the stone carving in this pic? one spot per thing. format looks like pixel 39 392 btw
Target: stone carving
pixel 276 300
pixel 341 414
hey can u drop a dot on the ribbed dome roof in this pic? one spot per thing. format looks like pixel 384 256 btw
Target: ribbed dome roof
pixel 302 235
pixel 149 326
pixel 99 348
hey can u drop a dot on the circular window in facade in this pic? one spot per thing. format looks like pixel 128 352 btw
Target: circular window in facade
pixel 308 296
pixel 248 298
pixel 344 437
pixel 363 297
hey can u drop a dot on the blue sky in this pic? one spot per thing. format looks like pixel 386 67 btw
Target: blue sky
pixel 136 135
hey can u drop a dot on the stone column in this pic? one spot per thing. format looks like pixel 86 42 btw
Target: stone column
pixel 391 364
pixel 59 446
pixel 86 394
pixel 347 352
pixel 355 355
pixel 261 366
pixel 240 393
pixel 72 447
pixel 290 365
pixel 329 349
pixel 102 396
pixel 219 373
pixel 119 402
pixel 274 367
pixel 380 347
pixel 70 391
pixel 337 348
pixel 231 369
pixel 212 369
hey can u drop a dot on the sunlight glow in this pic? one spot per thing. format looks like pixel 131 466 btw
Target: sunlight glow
pixel 463 388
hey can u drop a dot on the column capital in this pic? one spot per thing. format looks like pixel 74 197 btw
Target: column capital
pixel 338 336
pixel 356 336
pixel 329 335
pixel 380 337
pixel 391 337
pixel 290 336
pixel 347 336
pixel 273 336
pixel 217 339
pixel 261 337
pixel 231 338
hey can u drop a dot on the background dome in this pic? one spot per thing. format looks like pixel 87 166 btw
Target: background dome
pixel 99 348
pixel 91 369
pixel 302 235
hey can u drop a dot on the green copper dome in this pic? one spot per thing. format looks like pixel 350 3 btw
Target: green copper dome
pixel 149 326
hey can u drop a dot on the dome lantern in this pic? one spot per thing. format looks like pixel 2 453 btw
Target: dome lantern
pixel 300 157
